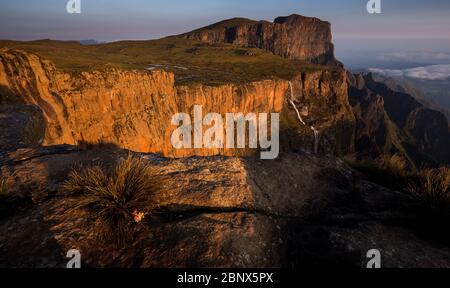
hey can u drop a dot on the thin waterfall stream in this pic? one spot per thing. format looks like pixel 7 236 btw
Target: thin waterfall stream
pixel 315 131
pixel 316 139
pixel 291 101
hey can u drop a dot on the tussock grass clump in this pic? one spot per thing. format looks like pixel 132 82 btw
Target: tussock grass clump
pixel 121 197
pixel 396 164
pixel 389 171
pixel 433 189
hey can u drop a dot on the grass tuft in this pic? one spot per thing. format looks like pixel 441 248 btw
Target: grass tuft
pixel 389 171
pixel 396 164
pixel 433 189
pixel 120 198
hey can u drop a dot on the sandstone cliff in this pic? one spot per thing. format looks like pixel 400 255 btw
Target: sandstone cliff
pixel 292 37
pixel 322 100
pixel 133 109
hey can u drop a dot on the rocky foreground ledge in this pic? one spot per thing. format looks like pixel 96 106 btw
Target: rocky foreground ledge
pixel 298 210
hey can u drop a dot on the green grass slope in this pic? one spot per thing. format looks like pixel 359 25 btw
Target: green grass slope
pixel 191 61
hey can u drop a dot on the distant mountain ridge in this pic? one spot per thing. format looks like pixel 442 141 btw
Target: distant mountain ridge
pixel 432 94
pixel 91 42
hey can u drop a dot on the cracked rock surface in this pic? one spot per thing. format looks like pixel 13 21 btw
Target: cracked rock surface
pixel 298 210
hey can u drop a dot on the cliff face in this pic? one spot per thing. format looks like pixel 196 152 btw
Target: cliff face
pixel 322 100
pixel 391 122
pixel 372 126
pixel 130 109
pixel 292 37
pixel 133 109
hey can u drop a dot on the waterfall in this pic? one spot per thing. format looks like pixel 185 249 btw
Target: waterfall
pixel 316 139
pixel 316 132
pixel 293 104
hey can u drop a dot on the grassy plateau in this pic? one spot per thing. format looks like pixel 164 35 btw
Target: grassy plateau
pixel 190 60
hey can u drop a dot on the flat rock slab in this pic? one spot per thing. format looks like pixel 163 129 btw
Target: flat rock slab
pixel 298 210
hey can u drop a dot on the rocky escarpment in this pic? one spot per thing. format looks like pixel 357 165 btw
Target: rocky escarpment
pixel 321 99
pixel 372 123
pixel 133 109
pixel 292 37
pixel 391 122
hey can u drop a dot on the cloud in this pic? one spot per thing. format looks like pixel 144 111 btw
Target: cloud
pixel 421 57
pixel 433 72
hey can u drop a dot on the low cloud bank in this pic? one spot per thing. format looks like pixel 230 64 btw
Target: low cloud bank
pixel 422 57
pixel 433 72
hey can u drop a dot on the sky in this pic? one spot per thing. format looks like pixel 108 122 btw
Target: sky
pixel 404 26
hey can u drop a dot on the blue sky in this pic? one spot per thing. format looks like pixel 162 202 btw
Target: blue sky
pixel 144 19
pixel 404 24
